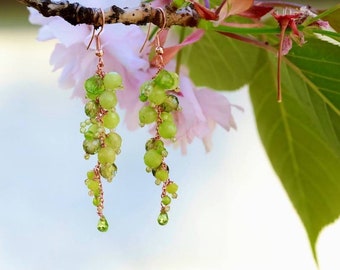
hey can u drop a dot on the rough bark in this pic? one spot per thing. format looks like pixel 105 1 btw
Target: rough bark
pixel 74 13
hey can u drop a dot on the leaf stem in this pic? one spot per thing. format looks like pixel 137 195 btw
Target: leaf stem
pixel 321 15
pixel 206 25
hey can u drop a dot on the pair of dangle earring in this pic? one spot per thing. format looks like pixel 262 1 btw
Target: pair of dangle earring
pixel 160 105
pixel 100 137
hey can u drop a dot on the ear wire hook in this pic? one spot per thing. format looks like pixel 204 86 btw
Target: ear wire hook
pixel 94 32
pixel 159 49
pixel 149 28
pixel 99 51
pixel 146 38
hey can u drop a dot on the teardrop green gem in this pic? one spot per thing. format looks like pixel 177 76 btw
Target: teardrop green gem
pixel 102 226
pixel 163 219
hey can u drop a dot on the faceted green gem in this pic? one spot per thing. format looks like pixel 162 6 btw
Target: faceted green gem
pixel 108 170
pixel 91 147
pixel 170 104
pixel 166 80
pixel 102 226
pixel 94 86
pixel 145 90
pixel 156 144
pixel 143 98
pixel 163 218
pixel 91 108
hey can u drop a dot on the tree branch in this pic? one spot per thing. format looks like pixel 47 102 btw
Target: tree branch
pixel 74 13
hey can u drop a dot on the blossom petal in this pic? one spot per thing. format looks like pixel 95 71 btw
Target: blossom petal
pixel 170 52
pixel 216 107
pixel 233 7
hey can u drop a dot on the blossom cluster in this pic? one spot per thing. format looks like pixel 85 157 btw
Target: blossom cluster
pixel 202 108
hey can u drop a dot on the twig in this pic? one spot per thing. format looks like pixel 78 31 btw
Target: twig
pixel 75 13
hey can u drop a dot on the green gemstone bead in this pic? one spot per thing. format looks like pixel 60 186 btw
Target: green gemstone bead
pixel 172 188
pixel 174 195
pixel 90 175
pixel 103 225
pixel 93 186
pixel 162 174
pixel 147 115
pixel 108 171
pixel 165 116
pixel 157 96
pixel 93 129
pixel 91 146
pixel 114 140
pixel 170 104
pixel 175 77
pixel 89 135
pixel 111 120
pixel 152 159
pixel 108 99
pixel 166 200
pixel 91 109
pixel 155 144
pixel 94 86
pixel 106 155
pixel 145 90
pixel 164 153
pixel 166 80
pixel 96 201
pixel 113 81
pixel 163 219
pixel 167 129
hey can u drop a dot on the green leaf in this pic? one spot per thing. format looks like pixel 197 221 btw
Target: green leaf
pixel 302 134
pixel 221 63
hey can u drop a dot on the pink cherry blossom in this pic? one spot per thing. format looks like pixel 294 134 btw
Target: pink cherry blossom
pixel 203 108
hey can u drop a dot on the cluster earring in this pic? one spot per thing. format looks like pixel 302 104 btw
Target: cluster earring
pixel 160 103
pixel 100 137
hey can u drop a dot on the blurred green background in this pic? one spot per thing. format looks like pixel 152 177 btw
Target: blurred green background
pixel 13 14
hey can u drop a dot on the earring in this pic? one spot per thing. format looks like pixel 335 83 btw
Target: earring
pixel 99 129
pixel 160 103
